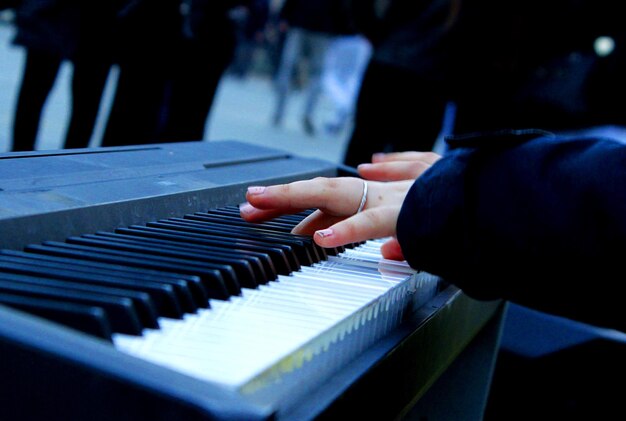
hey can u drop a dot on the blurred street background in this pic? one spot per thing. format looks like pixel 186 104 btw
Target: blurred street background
pixel 242 110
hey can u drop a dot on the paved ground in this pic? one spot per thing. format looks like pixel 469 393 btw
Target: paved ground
pixel 242 111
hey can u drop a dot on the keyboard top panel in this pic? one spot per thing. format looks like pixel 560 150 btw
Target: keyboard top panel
pixel 48 194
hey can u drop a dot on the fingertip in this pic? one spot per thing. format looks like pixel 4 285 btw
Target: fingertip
pixel 255 195
pixel 256 190
pixel 325 237
pixel 391 250
pixel 336 235
pixel 325 233
pixel 299 229
pixel 246 210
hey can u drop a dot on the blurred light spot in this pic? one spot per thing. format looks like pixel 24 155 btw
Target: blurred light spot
pixel 604 46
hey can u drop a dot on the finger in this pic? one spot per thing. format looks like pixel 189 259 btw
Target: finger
pixel 428 157
pixel 393 171
pixel 372 223
pixel 391 250
pixel 252 214
pixel 338 196
pixel 316 221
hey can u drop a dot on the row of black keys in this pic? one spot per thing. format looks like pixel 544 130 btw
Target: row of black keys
pixel 123 281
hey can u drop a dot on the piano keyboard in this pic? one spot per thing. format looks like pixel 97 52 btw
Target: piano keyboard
pixel 120 301
pixel 248 306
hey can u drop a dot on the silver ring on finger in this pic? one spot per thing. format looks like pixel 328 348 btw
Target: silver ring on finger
pixel 363 198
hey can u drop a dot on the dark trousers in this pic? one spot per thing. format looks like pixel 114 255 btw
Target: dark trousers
pixel 167 97
pixel 41 69
pixel 136 110
pixel 396 111
pixel 88 80
pixel 192 88
pixel 40 72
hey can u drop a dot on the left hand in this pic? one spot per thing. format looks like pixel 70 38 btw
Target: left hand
pixel 395 166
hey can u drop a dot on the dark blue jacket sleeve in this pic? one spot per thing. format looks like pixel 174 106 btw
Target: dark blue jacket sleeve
pixel 540 221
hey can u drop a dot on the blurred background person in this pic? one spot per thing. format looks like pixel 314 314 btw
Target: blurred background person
pixel 206 48
pixel 52 31
pixel 274 34
pixel 39 32
pixel 7 9
pixel 309 27
pixel 144 46
pixel 91 67
pixel 404 88
pixel 344 65
pixel 477 65
pixel 173 55
pixel 251 21
pixel 484 66
pixel 552 65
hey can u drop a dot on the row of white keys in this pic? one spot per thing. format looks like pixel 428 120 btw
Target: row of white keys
pixel 233 340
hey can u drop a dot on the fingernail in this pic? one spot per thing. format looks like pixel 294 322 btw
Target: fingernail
pixel 246 208
pixel 378 155
pixel 324 233
pixel 364 166
pixel 256 189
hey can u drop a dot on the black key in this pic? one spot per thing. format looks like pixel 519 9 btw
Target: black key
pixel 162 295
pixel 121 311
pixel 229 216
pixel 189 288
pixel 227 272
pixel 294 251
pixel 275 261
pixel 254 261
pixel 273 226
pixel 314 253
pixel 283 223
pixel 88 319
pixel 291 221
pixel 290 255
pixel 300 252
pixel 144 305
pixel 242 267
pixel 212 280
pixel 295 219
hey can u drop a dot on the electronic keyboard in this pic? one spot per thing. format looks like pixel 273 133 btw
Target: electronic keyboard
pixel 130 288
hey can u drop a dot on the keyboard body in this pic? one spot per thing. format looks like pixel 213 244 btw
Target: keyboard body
pixel 435 361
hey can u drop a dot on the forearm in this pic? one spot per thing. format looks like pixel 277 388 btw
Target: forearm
pixel 540 223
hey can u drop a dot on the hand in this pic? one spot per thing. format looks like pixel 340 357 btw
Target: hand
pixel 336 221
pixel 397 165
